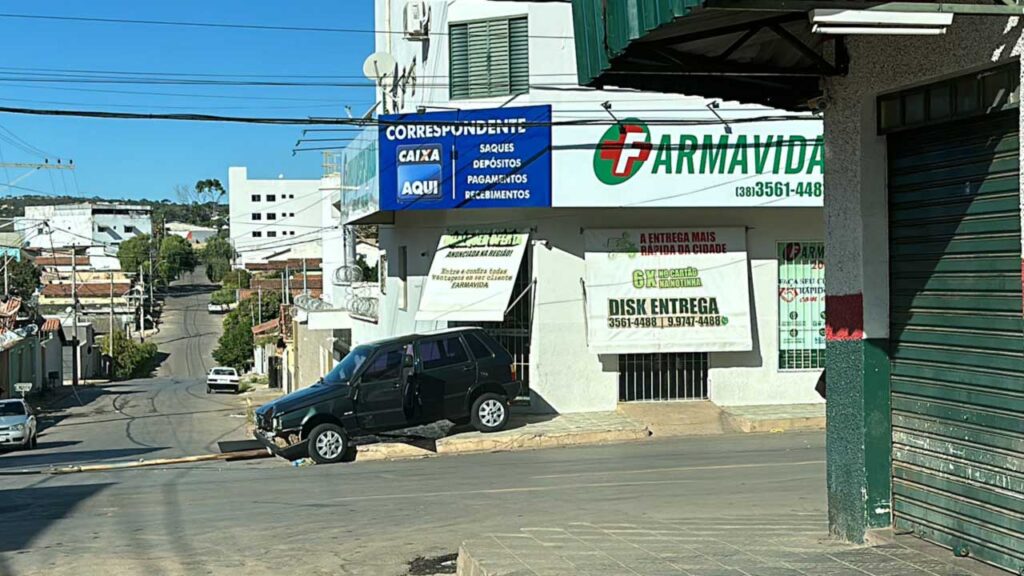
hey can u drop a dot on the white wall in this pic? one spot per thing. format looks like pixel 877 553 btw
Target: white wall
pixel 68 226
pixel 332 237
pixel 112 229
pixel 564 374
pixel 299 234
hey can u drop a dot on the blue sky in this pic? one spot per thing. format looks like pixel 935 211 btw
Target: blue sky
pixel 147 158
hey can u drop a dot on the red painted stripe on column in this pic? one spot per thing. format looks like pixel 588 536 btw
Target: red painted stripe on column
pixel 844 317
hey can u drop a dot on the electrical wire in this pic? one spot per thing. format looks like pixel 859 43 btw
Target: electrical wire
pixel 231 25
pixel 334 121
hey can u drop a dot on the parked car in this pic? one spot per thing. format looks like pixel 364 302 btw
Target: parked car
pixel 462 375
pixel 221 308
pixel 18 426
pixel 222 378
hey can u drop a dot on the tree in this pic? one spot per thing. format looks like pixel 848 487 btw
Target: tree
pixel 234 348
pixel 237 279
pixel 135 252
pixel 131 359
pixel 176 256
pixel 22 278
pixel 223 296
pixel 217 256
pixel 369 273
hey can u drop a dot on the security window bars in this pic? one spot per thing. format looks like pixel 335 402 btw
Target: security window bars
pixel 489 58
pixel 665 376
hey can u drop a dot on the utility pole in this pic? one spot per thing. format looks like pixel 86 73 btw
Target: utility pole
pixel 151 283
pixel 111 328
pixel 287 285
pixel 142 302
pixel 259 302
pixel 76 359
pixel 304 290
pixel 7 260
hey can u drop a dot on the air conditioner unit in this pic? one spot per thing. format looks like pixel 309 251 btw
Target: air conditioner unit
pixel 417 20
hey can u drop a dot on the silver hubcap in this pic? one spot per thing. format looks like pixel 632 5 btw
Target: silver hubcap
pixel 491 413
pixel 329 444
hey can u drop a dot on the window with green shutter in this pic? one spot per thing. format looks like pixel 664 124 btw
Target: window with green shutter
pixel 489 58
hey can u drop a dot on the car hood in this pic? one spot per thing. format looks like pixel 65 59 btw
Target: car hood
pixel 13 419
pixel 305 397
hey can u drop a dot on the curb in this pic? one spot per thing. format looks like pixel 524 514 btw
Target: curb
pixel 526 441
pixel 756 425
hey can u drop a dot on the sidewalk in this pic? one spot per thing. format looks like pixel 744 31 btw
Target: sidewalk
pixel 796 545
pixel 524 433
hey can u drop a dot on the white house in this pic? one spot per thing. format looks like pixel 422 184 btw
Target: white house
pixel 196 235
pixel 273 218
pixel 103 226
pixel 624 246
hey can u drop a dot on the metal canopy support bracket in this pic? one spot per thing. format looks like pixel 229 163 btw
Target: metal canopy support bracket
pixel 826 68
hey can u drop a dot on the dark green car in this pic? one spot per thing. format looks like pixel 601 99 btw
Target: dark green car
pixel 462 375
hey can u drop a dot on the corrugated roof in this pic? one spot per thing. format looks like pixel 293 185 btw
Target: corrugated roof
pixel 51 325
pixel 267 327
pixel 60 261
pixel 91 290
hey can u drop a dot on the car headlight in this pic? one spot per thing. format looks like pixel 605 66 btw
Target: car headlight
pixel 18 427
pixel 277 423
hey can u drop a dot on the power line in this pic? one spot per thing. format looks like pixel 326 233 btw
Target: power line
pixel 177 94
pixel 88 73
pixel 231 25
pixel 334 121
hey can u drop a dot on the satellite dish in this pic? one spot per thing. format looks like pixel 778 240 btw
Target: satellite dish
pixel 378 64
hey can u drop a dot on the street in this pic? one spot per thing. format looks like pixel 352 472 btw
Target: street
pixel 266 517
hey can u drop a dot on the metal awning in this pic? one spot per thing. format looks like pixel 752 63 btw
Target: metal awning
pixel 746 50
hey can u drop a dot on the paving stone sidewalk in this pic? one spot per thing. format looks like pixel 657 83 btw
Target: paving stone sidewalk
pixel 794 546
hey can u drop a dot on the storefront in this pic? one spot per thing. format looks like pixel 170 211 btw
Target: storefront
pixel 656 258
pixel 922 119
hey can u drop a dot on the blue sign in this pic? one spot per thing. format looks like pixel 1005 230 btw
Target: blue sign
pixel 493 158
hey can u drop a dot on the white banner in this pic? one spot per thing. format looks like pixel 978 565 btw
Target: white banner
pixel 472 276
pixel 665 158
pixel 667 290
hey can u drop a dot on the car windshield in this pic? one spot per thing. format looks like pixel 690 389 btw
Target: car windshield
pixel 223 372
pixel 345 369
pixel 12 409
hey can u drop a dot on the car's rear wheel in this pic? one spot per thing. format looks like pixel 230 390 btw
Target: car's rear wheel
pixel 327 444
pixel 490 412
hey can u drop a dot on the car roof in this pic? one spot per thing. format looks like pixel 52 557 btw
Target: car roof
pixel 12 401
pixel 406 338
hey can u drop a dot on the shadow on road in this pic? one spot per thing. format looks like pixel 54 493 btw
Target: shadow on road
pixel 31 458
pixel 28 512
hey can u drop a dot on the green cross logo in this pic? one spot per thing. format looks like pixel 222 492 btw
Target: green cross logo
pixel 621 152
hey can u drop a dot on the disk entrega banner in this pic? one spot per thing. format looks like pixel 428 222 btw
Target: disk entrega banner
pixel 667 290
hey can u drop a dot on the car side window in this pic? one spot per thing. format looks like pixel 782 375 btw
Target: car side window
pixel 477 346
pixel 386 365
pixel 441 352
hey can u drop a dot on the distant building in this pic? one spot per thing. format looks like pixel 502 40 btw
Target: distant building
pixel 100 224
pixel 196 235
pixel 273 219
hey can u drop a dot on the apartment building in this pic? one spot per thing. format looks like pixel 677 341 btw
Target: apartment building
pixel 272 219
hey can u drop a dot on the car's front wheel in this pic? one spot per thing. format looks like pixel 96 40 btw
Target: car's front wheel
pixel 327 444
pixel 490 412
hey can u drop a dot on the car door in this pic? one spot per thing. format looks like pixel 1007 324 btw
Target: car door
pixel 379 403
pixel 446 373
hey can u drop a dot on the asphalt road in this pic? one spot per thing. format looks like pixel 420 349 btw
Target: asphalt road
pixel 266 517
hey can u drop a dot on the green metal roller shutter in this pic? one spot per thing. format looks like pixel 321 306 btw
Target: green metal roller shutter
pixel 956 332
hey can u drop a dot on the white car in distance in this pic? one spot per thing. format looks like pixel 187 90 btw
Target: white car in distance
pixel 222 378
